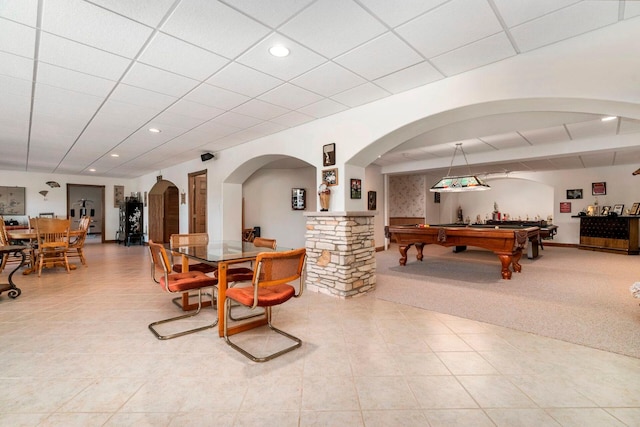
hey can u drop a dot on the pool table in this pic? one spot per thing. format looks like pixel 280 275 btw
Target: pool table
pixel 505 241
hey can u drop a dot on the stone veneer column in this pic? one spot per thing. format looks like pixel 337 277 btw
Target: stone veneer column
pixel 340 253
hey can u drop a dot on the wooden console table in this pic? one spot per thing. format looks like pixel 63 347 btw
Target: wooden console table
pixel 14 291
pixel 617 234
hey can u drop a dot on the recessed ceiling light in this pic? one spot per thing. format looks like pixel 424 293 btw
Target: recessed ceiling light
pixel 92 170
pixel 115 155
pixel 279 51
pixel 607 119
pixel 154 130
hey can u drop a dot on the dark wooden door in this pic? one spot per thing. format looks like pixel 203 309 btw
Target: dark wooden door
pixel 198 202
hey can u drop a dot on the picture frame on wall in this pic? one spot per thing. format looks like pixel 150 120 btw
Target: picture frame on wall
pixel 565 207
pixel 574 194
pixel 356 188
pixel 330 176
pixel 12 200
pixel 118 195
pixel 371 200
pixel 618 209
pixel 298 199
pixel 329 154
pixel 599 189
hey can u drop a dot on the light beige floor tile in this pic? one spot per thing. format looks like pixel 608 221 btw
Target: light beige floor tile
pixel 267 419
pixel 384 393
pixel 329 393
pixel 494 391
pixel 458 418
pixel 466 363
pixel 331 418
pixel 588 417
pixel 521 418
pixel 407 418
pixel 440 392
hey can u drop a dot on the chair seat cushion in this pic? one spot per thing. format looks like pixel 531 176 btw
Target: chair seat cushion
pixel 273 295
pixel 237 274
pixel 180 282
pixel 203 267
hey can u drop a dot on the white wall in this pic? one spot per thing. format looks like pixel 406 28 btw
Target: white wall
pixel 267 203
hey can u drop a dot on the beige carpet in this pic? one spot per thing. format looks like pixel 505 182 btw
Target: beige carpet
pixel 578 296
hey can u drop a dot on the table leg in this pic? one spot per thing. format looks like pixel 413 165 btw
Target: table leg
pixel 14 291
pixel 403 252
pixel 506 260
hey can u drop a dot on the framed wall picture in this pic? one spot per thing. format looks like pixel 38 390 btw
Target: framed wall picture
pixel 574 194
pixel 371 201
pixel 330 176
pixel 298 199
pixel 329 154
pixel 12 201
pixel 356 188
pixel 436 197
pixel 599 188
pixel 618 209
pixel 118 195
pixel 565 207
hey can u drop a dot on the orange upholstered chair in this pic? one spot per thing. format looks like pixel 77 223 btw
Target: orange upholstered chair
pixel 271 286
pixel 178 283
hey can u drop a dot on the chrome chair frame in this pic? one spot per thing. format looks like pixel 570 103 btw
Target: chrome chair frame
pixel 257 279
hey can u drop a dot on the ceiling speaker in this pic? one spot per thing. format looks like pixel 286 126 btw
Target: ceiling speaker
pixel 207 156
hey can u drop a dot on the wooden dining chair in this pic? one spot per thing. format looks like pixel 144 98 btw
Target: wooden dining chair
pixel 53 242
pixel 76 245
pixel 270 286
pixel 179 283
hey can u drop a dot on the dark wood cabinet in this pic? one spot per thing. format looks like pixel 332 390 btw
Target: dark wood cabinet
pixel 131 223
pixel 617 234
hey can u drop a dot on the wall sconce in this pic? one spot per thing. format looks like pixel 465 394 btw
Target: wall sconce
pixel 44 194
pixel 183 198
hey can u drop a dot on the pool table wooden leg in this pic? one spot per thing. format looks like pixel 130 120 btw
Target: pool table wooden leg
pixel 403 251
pixel 419 247
pixel 506 260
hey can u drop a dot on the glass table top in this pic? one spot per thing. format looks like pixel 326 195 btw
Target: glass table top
pixel 225 250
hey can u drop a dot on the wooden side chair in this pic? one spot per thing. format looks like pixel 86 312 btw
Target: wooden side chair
pixel 179 283
pixel 53 242
pixel 271 286
pixel 76 245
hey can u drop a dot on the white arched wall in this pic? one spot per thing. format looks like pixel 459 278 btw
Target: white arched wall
pixel 596 73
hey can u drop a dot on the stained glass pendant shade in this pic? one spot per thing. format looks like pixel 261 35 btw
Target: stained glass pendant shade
pixel 460 183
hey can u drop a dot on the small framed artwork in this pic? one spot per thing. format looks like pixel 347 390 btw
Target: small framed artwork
pixel 118 195
pixel 599 189
pixel 606 210
pixel 329 155
pixel 330 176
pixel 618 209
pixel 298 199
pixel 565 207
pixel 145 199
pixel 574 194
pixel 634 209
pixel 371 201
pixel 356 188
pixel 436 197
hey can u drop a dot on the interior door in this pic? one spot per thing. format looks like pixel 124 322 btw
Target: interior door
pixel 198 202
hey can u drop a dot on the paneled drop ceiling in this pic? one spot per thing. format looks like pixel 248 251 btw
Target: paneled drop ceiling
pixel 82 82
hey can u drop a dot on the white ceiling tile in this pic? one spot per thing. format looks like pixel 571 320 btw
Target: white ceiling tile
pixel 395 14
pixel 235 120
pixel 483 52
pixel 592 128
pixel 25 12
pixel 322 28
pixel 292 119
pixel 565 23
pixel 598 160
pixel 300 58
pixel 244 80
pixel 16 38
pixel 440 31
pixel 631 9
pixel 260 109
pixel 515 12
pixel 506 140
pixel 14 113
pixel 16 66
pixel 72 80
pixel 213 130
pixel 216 97
pixel 146 98
pixel 157 80
pixel 11 85
pixel 68 54
pixel 380 57
pixel 67 100
pixel 629 126
pixel 409 78
pixel 328 79
pixel 195 110
pixel 266 128
pixel 148 12
pixel 83 22
pixel 214 26
pixel 546 135
pixel 362 94
pixel 290 96
pixel 171 54
pixel 175 120
pixel 125 115
pixel 572 162
pixel 323 108
pixel 271 13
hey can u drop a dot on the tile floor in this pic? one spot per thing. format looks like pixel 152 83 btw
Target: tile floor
pixel 75 351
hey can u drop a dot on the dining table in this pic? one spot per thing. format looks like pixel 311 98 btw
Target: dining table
pixel 29 235
pixel 222 254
